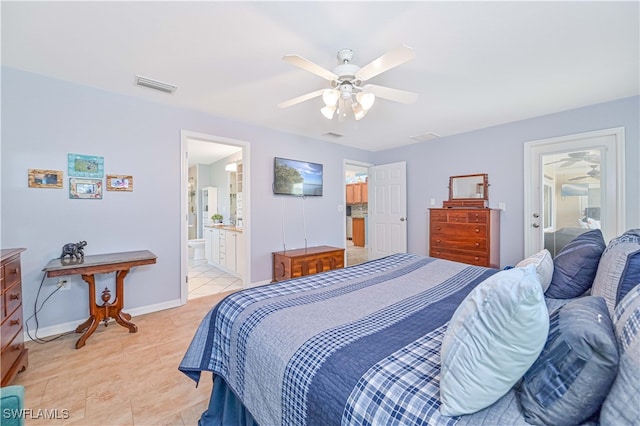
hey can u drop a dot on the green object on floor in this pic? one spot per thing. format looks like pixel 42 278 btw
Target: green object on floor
pixel 11 405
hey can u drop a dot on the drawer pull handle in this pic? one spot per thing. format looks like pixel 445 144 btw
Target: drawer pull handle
pixel 16 271
pixel 438 241
pixel 14 296
pixel 477 244
pixel 438 228
pixel 14 322
pixel 477 230
pixel 477 258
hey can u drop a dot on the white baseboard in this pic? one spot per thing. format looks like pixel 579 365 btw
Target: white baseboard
pixel 70 326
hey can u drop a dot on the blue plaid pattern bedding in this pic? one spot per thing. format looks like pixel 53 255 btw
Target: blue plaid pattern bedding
pixel 360 345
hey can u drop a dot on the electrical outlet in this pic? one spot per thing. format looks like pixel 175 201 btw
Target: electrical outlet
pixel 64 285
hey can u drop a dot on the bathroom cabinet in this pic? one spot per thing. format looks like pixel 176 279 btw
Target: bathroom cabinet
pixel 209 203
pixel 224 248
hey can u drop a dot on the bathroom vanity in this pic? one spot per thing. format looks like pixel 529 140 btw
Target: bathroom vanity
pixel 224 248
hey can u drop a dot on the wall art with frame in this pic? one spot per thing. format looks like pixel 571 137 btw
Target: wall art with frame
pixel 85 189
pixel 119 183
pixel 45 178
pixel 87 166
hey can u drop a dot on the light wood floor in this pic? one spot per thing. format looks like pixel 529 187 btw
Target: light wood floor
pixel 120 378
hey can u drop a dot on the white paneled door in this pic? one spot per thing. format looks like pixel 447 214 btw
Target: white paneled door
pixel 387 209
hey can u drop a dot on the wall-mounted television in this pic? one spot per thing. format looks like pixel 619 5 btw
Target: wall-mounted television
pixel 294 177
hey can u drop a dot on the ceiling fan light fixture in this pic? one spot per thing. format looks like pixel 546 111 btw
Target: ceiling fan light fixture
pixel 358 111
pixel 366 99
pixel 328 111
pixel 330 97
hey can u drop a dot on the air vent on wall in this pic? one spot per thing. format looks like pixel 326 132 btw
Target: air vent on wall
pixel 425 137
pixel 155 84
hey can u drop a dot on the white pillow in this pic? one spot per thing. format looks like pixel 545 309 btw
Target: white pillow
pixel 544 266
pixel 494 336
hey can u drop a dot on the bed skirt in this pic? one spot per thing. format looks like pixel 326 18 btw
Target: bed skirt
pixel 225 408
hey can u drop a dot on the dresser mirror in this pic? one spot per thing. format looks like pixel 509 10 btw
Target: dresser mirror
pixel 468 191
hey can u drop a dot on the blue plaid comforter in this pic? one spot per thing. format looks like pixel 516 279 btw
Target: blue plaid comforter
pixel 359 345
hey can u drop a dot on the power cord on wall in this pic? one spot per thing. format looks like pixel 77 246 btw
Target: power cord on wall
pixel 35 337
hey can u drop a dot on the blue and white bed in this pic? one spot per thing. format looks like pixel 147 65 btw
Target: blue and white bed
pixel 357 346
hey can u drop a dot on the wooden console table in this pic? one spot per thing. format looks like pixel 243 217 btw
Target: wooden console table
pixel 306 261
pixel 120 263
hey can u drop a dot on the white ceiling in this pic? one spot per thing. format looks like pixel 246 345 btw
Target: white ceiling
pixel 478 64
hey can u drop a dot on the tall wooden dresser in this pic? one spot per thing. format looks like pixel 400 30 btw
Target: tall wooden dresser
pixel 465 235
pixel 14 354
pixel 299 262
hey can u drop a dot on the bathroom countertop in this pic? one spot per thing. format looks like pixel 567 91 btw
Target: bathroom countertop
pixel 225 227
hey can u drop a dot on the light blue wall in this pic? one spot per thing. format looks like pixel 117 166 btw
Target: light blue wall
pixel 44 119
pixel 499 151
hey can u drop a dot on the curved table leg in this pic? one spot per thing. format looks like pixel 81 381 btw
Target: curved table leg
pixel 92 327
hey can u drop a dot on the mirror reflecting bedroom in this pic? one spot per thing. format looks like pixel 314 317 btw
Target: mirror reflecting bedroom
pixel 572 196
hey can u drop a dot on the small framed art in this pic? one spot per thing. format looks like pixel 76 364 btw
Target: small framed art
pixel 119 183
pixel 85 166
pixel 89 189
pixel 45 178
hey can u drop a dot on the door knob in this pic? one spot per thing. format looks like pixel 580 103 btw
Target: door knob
pixel 536 215
pixel 535 225
pixel 402 219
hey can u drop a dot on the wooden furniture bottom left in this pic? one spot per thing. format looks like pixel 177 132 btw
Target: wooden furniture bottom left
pixel 120 263
pixel 14 354
pixel 306 261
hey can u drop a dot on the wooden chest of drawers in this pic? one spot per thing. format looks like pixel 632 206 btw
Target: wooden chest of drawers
pixel 299 262
pixel 466 235
pixel 14 354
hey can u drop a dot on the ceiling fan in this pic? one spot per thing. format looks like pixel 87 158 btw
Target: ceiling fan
pixel 593 173
pixel 347 94
pixel 575 157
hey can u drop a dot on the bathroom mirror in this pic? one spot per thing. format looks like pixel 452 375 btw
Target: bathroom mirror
pixel 467 187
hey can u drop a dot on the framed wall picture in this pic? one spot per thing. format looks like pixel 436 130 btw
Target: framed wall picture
pixel 119 183
pixel 45 178
pixel 85 166
pixel 89 189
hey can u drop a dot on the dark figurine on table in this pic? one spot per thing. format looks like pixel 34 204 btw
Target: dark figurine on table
pixel 74 250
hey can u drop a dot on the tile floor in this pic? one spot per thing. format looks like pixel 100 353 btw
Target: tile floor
pixel 356 254
pixel 205 279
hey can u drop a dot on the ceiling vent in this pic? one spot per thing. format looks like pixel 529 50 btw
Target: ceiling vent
pixel 425 137
pixel 155 84
pixel 333 135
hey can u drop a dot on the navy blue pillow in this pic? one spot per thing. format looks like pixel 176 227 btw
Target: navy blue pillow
pixel 575 267
pixel 576 369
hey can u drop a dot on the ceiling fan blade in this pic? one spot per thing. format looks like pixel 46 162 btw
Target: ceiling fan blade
pixel 389 60
pixel 307 65
pixel 580 177
pixel 299 99
pixel 570 162
pixel 391 94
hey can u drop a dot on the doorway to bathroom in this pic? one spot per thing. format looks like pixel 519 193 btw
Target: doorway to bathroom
pixel 215 206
